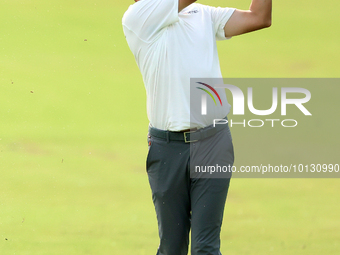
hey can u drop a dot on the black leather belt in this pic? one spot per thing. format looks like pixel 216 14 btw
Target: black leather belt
pixel 187 136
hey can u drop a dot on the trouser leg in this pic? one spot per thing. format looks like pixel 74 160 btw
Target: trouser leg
pixel 170 184
pixel 209 192
pixel 208 200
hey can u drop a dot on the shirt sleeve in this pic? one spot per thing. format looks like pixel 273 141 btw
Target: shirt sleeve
pixel 220 17
pixel 146 18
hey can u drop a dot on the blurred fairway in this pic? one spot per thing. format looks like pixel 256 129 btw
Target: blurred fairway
pixel 73 133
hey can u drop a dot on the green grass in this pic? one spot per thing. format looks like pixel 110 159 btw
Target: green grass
pixel 73 134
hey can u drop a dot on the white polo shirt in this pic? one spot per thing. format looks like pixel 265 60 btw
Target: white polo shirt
pixel 170 48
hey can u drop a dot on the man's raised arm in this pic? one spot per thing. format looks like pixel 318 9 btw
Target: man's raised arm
pixel 184 3
pixel 257 17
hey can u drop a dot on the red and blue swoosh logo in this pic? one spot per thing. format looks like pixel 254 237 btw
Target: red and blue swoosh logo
pixel 209 93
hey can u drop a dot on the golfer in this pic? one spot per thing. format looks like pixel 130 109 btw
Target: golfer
pixel 174 41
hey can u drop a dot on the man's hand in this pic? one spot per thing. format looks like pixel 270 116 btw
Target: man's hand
pixel 257 17
pixel 184 3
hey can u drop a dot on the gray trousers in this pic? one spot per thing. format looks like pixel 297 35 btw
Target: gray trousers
pixel 184 202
